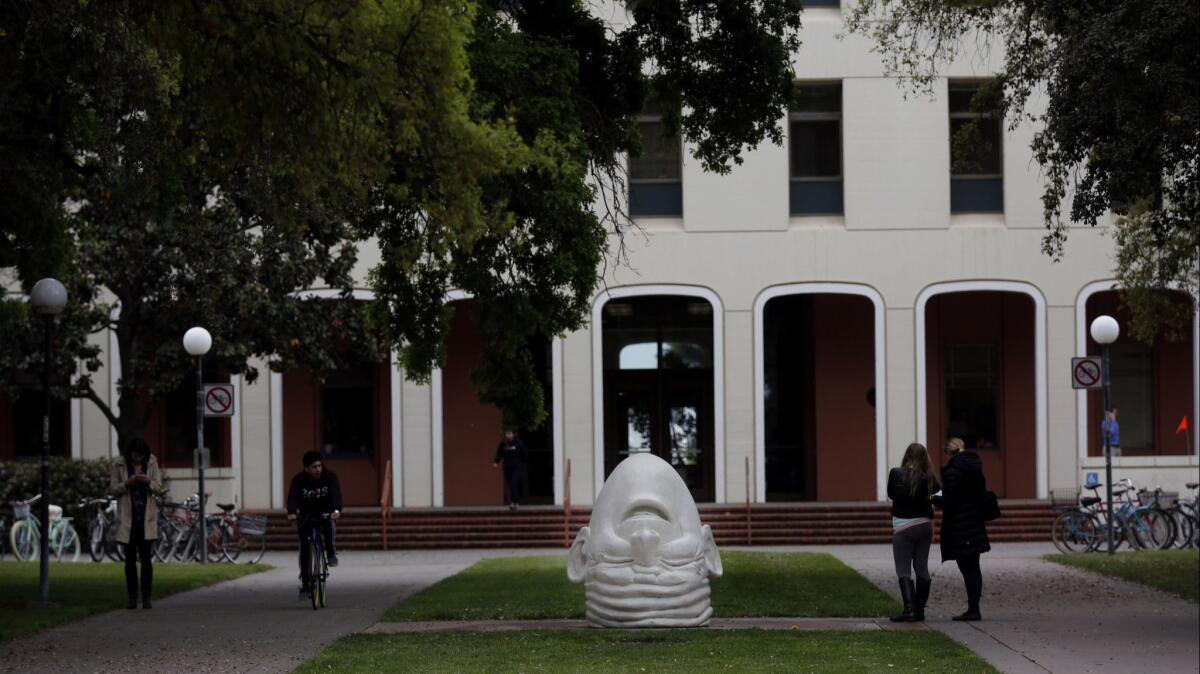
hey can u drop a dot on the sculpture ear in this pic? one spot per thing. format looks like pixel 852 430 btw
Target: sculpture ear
pixel 577 557
pixel 712 556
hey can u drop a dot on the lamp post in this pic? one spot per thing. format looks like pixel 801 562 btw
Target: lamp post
pixel 197 342
pixel 48 298
pixel 1105 331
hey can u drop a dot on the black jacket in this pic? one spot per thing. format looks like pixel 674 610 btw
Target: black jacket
pixel 905 504
pixel 513 454
pixel 963 532
pixel 314 497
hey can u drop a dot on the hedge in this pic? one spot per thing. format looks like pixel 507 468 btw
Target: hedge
pixel 70 481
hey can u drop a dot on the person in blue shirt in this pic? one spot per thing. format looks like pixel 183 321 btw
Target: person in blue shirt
pixel 1110 425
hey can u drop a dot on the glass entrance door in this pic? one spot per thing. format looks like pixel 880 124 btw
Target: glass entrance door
pixel 658 386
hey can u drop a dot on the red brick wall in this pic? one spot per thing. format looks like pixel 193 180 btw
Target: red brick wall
pixel 843 342
pixel 470 429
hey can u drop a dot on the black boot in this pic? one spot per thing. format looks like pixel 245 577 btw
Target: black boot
pixel 972 615
pixel 907 591
pixel 921 598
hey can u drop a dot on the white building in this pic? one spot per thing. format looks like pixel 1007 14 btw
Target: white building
pixel 783 333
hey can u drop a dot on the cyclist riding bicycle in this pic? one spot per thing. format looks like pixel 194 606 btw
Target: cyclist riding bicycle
pixel 314 493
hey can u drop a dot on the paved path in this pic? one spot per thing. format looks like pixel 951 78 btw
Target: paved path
pixel 1044 617
pixel 252 624
pixel 1038 617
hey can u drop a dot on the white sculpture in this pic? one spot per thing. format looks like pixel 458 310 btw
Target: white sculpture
pixel 644 559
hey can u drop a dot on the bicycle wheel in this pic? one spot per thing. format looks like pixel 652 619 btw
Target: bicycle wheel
pixel 114 550
pixel 67 547
pixel 96 542
pixel 1058 531
pixel 324 576
pixel 1082 532
pixel 165 542
pixel 315 570
pixel 232 541
pixel 256 547
pixel 24 541
pixel 1182 527
pixel 1149 529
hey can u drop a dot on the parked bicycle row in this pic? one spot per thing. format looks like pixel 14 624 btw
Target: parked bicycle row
pixel 232 536
pixel 1143 519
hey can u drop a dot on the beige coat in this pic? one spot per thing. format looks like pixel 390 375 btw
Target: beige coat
pixel 116 487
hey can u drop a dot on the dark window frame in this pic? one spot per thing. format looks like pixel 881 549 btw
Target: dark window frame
pixel 962 200
pixel 795 181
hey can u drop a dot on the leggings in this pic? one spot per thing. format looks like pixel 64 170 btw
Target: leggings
pixel 910 550
pixel 515 478
pixel 135 550
pixel 973 578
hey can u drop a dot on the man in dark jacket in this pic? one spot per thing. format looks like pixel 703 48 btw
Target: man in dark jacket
pixel 964 534
pixel 512 453
pixel 314 493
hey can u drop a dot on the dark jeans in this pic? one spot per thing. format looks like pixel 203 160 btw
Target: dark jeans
pixel 973 578
pixel 303 528
pixel 910 550
pixel 135 550
pixel 515 479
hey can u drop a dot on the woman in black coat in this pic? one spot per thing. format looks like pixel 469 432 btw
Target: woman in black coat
pixel 963 533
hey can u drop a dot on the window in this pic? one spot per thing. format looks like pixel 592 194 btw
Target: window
pixel 972 394
pixel 815 136
pixel 27 408
pixel 1131 380
pixel 347 412
pixel 656 176
pixel 976 152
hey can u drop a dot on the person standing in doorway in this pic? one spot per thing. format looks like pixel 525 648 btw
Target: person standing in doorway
pixel 136 481
pixel 1113 429
pixel 512 454
pixel 964 535
pixel 910 487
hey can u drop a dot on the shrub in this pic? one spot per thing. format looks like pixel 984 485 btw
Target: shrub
pixel 70 481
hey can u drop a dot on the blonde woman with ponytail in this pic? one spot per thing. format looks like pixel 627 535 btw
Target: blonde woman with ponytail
pixel 963 533
pixel 910 487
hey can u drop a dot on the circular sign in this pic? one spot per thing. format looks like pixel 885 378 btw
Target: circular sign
pixel 217 401
pixel 1087 373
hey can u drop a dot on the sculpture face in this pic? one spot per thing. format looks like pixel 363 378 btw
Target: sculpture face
pixel 645 558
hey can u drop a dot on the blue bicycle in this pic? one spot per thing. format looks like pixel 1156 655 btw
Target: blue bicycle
pixel 318 562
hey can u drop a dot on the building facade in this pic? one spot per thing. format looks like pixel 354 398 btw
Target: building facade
pixel 781 333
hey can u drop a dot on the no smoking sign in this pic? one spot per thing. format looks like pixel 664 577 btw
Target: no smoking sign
pixel 218 400
pixel 1085 373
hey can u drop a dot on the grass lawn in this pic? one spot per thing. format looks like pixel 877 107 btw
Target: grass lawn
pixel 690 651
pixel 83 589
pixel 1174 571
pixel 791 584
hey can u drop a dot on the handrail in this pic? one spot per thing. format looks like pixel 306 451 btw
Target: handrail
pixel 385 501
pixel 567 507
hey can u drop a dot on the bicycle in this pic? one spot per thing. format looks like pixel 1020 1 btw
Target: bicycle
pixel 102 532
pixel 179 532
pixel 318 564
pixel 241 533
pixel 25 534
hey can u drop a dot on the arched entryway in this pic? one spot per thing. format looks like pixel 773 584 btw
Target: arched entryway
pixel 981 377
pixel 470 430
pixel 659 366
pixel 1152 385
pixel 819 374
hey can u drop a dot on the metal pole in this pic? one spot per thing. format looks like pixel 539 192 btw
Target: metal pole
pixel 1108 454
pixel 44 504
pixel 200 455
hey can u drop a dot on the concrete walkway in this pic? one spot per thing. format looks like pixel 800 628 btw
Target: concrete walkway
pixel 1038 617
pixel 252 624
pixel 1044 617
